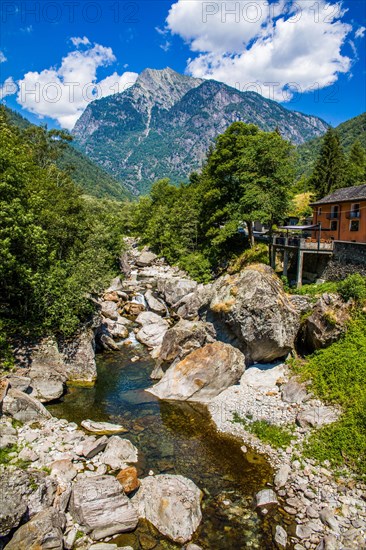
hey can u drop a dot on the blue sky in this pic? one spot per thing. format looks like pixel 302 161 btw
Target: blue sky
pixel 310 53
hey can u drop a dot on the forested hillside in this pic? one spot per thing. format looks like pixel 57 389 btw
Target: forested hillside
pixel 349 131
pixel 91 178
pixel 57 248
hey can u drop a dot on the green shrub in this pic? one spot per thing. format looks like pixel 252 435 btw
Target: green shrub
pixel 354 286
pixel 256 255
pixel 277 436
pixel 197 266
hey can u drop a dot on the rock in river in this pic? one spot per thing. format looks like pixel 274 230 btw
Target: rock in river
pixel 100 506
pixel 185 337
pixel 202 375
pixel 117 452
pixel 103 428
pixel 173 289
pixel 152 330
pixel 23 407
pixel 257 311
pixel 172 504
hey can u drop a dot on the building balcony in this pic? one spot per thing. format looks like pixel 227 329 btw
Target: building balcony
pixel 305 244
pixel 353 215
pixel 333 216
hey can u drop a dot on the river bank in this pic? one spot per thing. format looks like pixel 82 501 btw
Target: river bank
pixel 307 505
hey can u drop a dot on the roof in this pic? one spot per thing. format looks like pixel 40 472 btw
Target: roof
pixel 356 193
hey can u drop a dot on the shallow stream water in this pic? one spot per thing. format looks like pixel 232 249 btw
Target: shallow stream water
pixel 176 438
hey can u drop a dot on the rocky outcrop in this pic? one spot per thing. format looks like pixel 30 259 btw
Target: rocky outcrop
pixel 190 305
pixel 185 337
pixel 202 375
pixel 43 531
pixel 172 504
pixel 258 312
pixel 23 494
pixel 327 323
pixel 153 329
pixel 100 506
pixel 23 407
pixel 173 289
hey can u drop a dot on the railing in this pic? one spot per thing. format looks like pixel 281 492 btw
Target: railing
pixel 303 243
pixel 353 215
pixel 333 216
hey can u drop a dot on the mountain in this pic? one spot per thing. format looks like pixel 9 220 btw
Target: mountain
pixel 163 125
pixel 348 132
pixel 87 174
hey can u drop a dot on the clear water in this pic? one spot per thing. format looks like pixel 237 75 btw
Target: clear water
pixel 176 438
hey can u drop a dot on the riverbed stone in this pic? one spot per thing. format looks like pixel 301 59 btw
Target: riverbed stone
pixel 185 337
pixel 109 310
pixel 153 329
pixel 202 375
pixel 146 259
pixel 293 392
pixel 43 531
pixel 118 452
pixel 327 322
pixel 129 480
pixel 156 305
pixel 280 537
pixel 18 382
pixel 281 476
pixel 173 289
pixel 327 517
pixel 23 407
pixel 172 504
pixel 102 428
pixel 316 416
pixel 266 498
pixel 100 506
pixel 92 446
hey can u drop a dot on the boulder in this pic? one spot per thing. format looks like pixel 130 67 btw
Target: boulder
pixel 281 476
pixel 265 499
pixel 4 387
pixel 63 470
pixel 23 493
pixel 47 384
pixel 92 446
pixel 263 377
pixel 153 329
pixel 23 407
pixel 146 258
pixel 115 285
pixel 18 382
pixel 202 375
pixel 100 506
pixel 190 305
pixel 133 308
pixel 8 435
pixel 257 311
pixel 157 306
pixel 185 337
pixel 280 537
pixel 111 297
pixel 327 323
pixel 173 289
pixel 293 392
pixel 102 428
pixel 43 531
pixel 316 417
pixel 128 479
pixel 172 504
pixel 110 310
pixel 117 452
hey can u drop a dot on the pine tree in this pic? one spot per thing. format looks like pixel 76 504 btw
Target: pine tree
pixel 356 165
pixel 329 171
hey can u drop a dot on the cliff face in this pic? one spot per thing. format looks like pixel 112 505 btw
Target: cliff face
pixel 163 125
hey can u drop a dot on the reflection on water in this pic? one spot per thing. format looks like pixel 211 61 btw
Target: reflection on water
pixel 176 438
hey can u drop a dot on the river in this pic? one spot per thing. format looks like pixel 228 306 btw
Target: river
pixel 176 438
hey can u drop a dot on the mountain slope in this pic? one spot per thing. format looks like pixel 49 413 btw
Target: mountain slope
pixel 85 173
pixel 163 125
pixel 348 131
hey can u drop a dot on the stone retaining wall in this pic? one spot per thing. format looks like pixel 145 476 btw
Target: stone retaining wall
pixel 348 258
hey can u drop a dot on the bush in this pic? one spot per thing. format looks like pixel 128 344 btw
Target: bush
pixel 256 255
pixel 354 286
pixel 197 266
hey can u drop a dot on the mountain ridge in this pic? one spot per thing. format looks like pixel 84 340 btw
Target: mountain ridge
pixel 163 125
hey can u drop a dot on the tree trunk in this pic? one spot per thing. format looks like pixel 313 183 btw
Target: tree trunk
pixel 250 234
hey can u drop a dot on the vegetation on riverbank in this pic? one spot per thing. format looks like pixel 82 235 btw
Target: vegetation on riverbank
pixel 276 436
pixel 57 248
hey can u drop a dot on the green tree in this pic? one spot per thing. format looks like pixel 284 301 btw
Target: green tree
pixel 356 165
pixel 329 170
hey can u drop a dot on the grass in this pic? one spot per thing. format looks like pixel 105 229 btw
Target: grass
pixel 316 290
pixel 257 254
pixel 5 453
pixel 338 376
pixel 278 436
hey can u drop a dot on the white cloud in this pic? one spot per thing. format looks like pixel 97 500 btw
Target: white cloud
pixel 360 33
pixel 63 93
pixel 9 87
pixel 166 46
pixel 76 40
pixel 2 57
pixel 293 48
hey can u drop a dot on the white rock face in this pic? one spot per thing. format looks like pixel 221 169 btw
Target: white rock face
pixel 202 375
pixel 100 506
pixel 118 452
pixel 172 504
pixel 153 329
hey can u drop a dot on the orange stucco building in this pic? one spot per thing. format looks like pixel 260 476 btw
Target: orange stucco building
pixel 343 214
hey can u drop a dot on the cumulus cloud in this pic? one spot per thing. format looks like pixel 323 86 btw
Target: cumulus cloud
pixel 2 57
pixel 9 87
pixel 76 40
pixel 360 32
pixel 62 93
pixel 275 49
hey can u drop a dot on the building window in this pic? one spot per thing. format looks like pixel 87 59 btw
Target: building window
pixel 333 225
pixel 355 211
pixel 354 225
pixel 319 211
